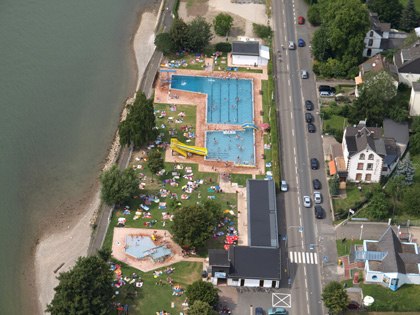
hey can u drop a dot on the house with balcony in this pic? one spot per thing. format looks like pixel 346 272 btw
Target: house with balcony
pixel 390 261
pixel 372 152
pixel 381 37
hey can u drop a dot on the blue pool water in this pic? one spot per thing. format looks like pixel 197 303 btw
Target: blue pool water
pixel 234 146
pixel 229 101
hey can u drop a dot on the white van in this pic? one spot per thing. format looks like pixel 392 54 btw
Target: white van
pixel 325 93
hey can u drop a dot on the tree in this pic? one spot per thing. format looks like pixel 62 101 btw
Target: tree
pixel 334 184
pixel 138 128
pixel 198 34
pixel 335 298
pixel 204 292
pixel 262 31
pixel 379 206
pixel 193 225
pixel 163 42
pixel 117 185
pixel 85 289
pixel 409 17
pixel 314 16
pixel 344 24
pixel 222 24
pixel 179 34
pixel 415 136
pixel 411 201
pixel 155 161
pixel 389 11
pixel 200 308
pixel 405 170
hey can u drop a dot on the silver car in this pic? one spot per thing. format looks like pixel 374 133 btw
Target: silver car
pixel 307 201
pixel 292 45
pixel 317 197
pixel 304 74
pixel 284 186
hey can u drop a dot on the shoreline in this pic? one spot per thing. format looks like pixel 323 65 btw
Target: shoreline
pixel 58 250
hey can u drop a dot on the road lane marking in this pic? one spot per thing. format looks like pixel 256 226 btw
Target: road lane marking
pixel 307 258
pixel 281 300
pixel 291 115
pixel 293 132
pixel 290 98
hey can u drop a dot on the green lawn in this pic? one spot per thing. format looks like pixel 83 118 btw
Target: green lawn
pixel 334 122
pixel 240 178
pixel 353 199
pixel 152 298
pixel 343 248
pixel 405 299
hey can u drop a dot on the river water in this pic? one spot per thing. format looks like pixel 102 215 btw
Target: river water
pixel 65 69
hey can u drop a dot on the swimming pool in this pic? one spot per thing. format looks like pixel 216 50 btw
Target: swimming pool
pixel 236 146
pixel 229 101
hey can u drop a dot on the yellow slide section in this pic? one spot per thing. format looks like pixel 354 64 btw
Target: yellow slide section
pixel 184 149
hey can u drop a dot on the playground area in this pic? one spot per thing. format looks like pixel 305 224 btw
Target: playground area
pixel 228 110
pixel 146 249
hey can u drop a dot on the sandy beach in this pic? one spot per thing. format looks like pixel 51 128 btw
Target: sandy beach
pixel 59 250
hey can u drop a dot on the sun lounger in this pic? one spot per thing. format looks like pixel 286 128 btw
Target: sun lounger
pixel 145 207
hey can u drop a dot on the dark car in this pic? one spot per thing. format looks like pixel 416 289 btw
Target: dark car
pixel 311 128
pixel 301 42
pixel 314 164
pixel 319 212
pixel 309 117
pixel 317 184
pixel 326 88
pixel 309 105
pixel 259 311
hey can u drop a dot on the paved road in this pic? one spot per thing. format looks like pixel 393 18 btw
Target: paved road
pixel 146 86
pixel 308 245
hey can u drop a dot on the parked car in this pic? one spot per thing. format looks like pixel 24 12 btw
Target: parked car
pixel 319 212
pixel 259 311
pixel 317 197
pixel 304 74
pixel 326 90
pixel 301 20
pixel 307 201
pixel 316 184
pixel 284 186
pixel 277 311
pixel 311 128
pixel 292 45
pixel 314 164
pixel 309 105
pixel 309 117
pixel 301 42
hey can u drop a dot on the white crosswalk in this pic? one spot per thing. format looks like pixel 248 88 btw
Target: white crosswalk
pixel 309 258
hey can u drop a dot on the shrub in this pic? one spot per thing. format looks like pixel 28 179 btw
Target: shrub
pixel 262 31
pixel 224 47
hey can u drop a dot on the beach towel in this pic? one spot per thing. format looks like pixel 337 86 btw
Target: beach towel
pixel 145 207
pixel 211 197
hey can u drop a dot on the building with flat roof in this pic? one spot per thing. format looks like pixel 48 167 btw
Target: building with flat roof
pixel 256 265
pixel 249 53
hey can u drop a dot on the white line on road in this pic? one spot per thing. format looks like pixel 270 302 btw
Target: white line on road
pixel 303 259
pixel 306 283
pixel 307 257
pixel 294 150
pixel 291 115
pixel 295 162
pixel 290 98
pixel 296 256
pixel 293 132
pixel 316 259
pixel 288 81
pixel 299 260
pixel 312 258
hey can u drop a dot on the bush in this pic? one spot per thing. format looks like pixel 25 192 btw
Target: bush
pixel 262 31
pixel 314 16
pixel 224 47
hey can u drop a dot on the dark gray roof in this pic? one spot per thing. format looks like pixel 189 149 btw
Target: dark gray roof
pixel 391 43
pixel 376 25
pixel 254 262
pixel 396 130
pixel 398 257
pixel 218 258
pixel 408 60
pixel 262 213
pixel 250 48
pixel 360 137
pixel 416 86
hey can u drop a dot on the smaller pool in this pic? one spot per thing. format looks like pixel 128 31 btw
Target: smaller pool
pixel 235 146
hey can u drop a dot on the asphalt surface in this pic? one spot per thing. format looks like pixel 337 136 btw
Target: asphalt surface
pixel 308 244
pixel 146 85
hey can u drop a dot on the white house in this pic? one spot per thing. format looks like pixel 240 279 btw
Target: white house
pixel 381 37
pixel 371 152
pixel 407 62
pixel 390 262
pixel 415 99
pixel 249 53
pixel 258 263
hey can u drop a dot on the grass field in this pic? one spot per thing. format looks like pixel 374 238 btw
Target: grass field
pixel 416 3
pixel 343 248
pixel 152 298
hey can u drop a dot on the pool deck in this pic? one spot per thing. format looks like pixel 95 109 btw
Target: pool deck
pixel 163 94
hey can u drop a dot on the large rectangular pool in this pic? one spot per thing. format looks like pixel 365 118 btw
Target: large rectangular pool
pixel 236 146
pixel 229 101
